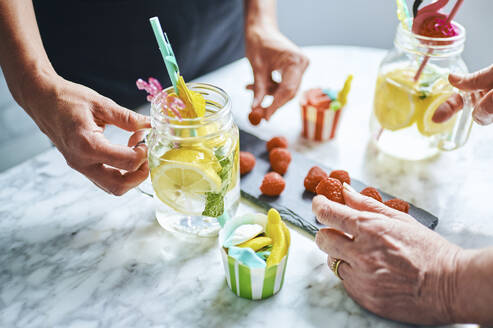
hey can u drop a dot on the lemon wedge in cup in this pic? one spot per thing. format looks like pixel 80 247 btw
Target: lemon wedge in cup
pixel 441 91
pixel 218 140
pixel 184 177
pixel 395 99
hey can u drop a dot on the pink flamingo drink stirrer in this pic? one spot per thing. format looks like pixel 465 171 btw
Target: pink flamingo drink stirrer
pixel 429 21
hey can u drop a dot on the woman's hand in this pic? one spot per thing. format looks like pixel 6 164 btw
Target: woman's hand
pixel 480 86
pixel 71 115
pixel 268 50
pixel 74 118
pixel 392 265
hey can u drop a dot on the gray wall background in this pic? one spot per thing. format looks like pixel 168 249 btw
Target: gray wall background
pixel 307 22
pixel 372 23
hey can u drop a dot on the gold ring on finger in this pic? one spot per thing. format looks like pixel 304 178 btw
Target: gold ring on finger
pixel 334 266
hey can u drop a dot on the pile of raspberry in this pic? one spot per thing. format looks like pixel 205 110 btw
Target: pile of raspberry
pixel 330 185
pixel 316 181
pixel 273 183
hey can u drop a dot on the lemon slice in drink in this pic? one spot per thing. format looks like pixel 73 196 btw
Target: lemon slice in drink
pixel 425 124
pixel 207 135
pixel 441 90
pixel 395 97
pixel 184 178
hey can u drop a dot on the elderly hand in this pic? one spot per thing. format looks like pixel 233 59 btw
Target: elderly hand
pixel 74 118
pixel 392 265
pixel 480 85
pixel 269 50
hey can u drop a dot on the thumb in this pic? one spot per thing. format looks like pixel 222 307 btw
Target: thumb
pixel 447 109
pixel 480 80
pixel 123 118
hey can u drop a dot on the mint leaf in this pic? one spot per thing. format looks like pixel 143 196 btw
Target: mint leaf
pixel 423 94
pixel 426 87
pixel 424 90
pixel 214 205
pixel 226 169
pixel 220 153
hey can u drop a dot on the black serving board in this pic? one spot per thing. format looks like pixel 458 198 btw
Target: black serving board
pixel 295 204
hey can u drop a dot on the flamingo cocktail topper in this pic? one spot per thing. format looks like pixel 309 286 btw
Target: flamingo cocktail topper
pixel 430 22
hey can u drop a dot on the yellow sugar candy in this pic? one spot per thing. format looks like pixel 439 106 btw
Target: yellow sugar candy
pixel 287 234
pixel 342 95
pixel 194 102
pixel 256 243
pixel 280 239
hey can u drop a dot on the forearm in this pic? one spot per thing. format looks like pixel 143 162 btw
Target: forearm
pixel 22 55
pixel 260 13
pixel 474 297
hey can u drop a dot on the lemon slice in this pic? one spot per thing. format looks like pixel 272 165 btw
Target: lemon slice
pixel 194 101
pixel 205 131
pixel 234 173
pixel 425 124
pixel 193 154
pixel 184 178
pixel 394 102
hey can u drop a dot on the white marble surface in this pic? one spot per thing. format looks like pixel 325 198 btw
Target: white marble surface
pixel 73 256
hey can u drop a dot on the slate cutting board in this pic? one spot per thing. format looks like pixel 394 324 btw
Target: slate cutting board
pixel 294 204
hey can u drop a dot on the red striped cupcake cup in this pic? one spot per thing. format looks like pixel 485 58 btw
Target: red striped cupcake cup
pixel 320 121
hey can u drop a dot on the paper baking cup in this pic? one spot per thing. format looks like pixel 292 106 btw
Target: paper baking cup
pixel 253 283
pixel 319 125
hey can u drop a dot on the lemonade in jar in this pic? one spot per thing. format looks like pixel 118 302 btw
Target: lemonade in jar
pixel 405 100
pixel 193 151
pixel 194 163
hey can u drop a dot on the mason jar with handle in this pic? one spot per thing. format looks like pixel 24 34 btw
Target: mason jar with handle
pixel 194 166
pixel 406 97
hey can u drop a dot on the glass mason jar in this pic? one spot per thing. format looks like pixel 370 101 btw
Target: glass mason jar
pixel 194 165
pixel 404 103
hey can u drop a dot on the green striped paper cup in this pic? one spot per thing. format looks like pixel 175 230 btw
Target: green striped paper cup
pixel 253 283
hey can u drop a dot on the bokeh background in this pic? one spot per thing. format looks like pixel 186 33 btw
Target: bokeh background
pixel 308 22
pixel 373 24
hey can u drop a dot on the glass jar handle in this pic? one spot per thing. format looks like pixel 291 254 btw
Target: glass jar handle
pixel 462 127
pixel 146 186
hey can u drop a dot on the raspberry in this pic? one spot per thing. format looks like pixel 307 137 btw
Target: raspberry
pixel 273 184
pixel 256 116
pixel 277 142
pixel 341 175
pixel 398 204
pixel 332 189
pixel 371 192
pixel 314 176
pixel 279 160
pixel 247 162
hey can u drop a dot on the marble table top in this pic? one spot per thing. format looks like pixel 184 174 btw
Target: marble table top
pixel 73 256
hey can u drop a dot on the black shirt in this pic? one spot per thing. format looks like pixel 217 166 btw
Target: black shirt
pixel 108 44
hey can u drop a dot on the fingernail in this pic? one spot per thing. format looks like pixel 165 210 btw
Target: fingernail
pixel 316 202
pixel 348 187
pixel 454 78
pixel 478 120
pixel 480 117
